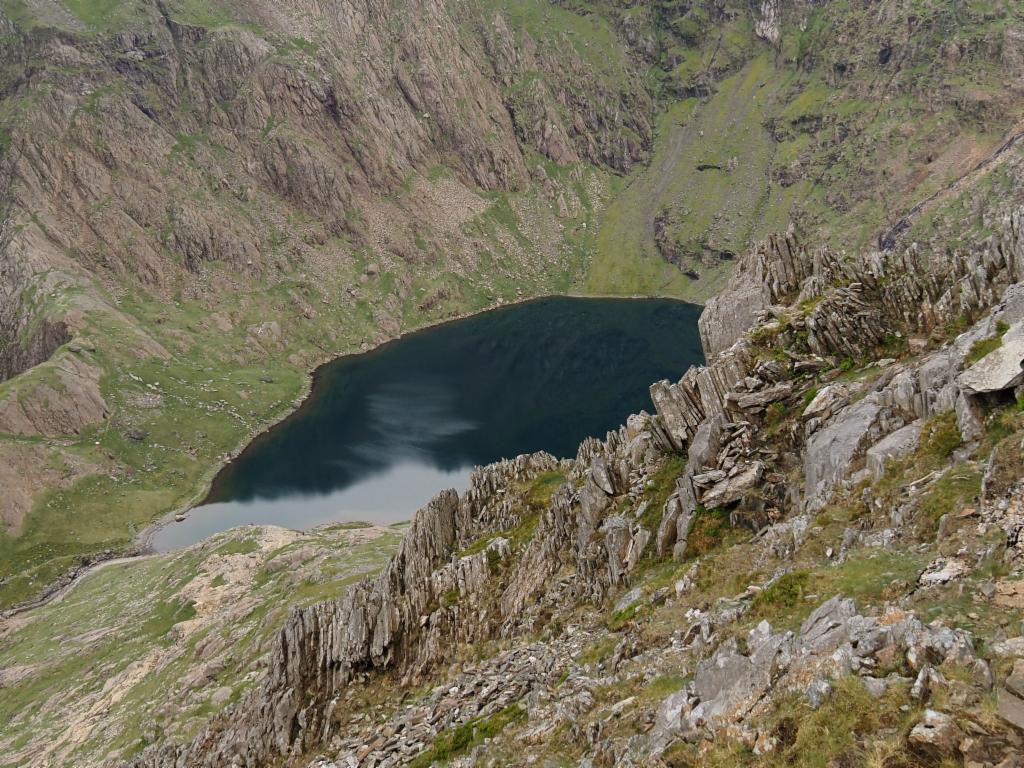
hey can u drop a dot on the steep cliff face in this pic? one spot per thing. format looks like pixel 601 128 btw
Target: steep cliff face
pixel 201 203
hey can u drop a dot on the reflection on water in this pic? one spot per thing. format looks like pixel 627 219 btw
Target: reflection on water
pixel 385 431
pixel 384 497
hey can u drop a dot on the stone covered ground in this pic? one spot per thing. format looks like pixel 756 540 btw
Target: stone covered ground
pixel 152 647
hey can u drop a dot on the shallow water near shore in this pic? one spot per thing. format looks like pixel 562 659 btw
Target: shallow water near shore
pixel 383 432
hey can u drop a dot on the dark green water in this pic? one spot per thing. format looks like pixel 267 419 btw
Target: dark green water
pixel 383 432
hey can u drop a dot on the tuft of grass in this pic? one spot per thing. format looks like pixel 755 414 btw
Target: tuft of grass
pixel 542 489
pixel 984 347
pixel 599 650
pixel 939 437
pixel 660 486
pixel 166 615
pixel 457 741
pixel 786 593
pixel 619 620
pixel 951 493
pixel 707 531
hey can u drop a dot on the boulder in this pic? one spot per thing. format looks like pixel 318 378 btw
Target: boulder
pixel 828 400
pixel 761 399
pixel 734 488
pixel 1001 369
pixel 827 627
pixel 1010 707
pixel 1015 682
pixel 937 735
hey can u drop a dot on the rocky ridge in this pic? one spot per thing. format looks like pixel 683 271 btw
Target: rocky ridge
pixel 462 577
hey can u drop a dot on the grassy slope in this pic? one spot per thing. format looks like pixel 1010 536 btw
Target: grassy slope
pixel 130 633
pixel 727 208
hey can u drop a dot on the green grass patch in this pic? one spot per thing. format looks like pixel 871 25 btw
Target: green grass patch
pixel 940 437
pixel 542 489
pixel 956 489
pixel 243 546
pixel 785 594
pixel 459 740
pixel 708 531
pixel 984 347
pixel 660 486
pixel 599 650
pixel 166 615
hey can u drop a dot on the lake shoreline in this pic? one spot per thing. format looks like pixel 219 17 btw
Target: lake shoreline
pixel 142 544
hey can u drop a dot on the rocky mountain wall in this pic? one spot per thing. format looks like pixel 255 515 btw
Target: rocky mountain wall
pixel 142 155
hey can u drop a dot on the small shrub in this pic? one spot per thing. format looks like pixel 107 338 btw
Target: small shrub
pixel 620 619
pixel 775 415
pixel 450 598
pixel 787 592
pixel 809 396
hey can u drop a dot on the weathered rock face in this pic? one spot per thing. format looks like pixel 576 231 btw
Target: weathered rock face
pixel 1000 370
pixel 139 158
pixel 764 276
pixel 72 402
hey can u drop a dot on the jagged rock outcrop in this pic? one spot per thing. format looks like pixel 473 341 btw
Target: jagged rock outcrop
pixel 763 277
pixel 393 620
pixel 835 640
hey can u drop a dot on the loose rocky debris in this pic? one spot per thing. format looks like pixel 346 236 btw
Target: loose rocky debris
pixel 481 690
pixel 835 640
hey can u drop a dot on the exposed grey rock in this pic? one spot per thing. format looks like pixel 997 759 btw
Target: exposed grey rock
pixel 831 450
pixel 735 487
pixel 827 401
pixel 817 692
pixel 771 269
pixel 827 627
pixel 943 571
pixel 893 446
pixel 761 399
pixel 936 735
pixel 1000 370
pixel 632 596
pixel 1010 707
pixel 1014 683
